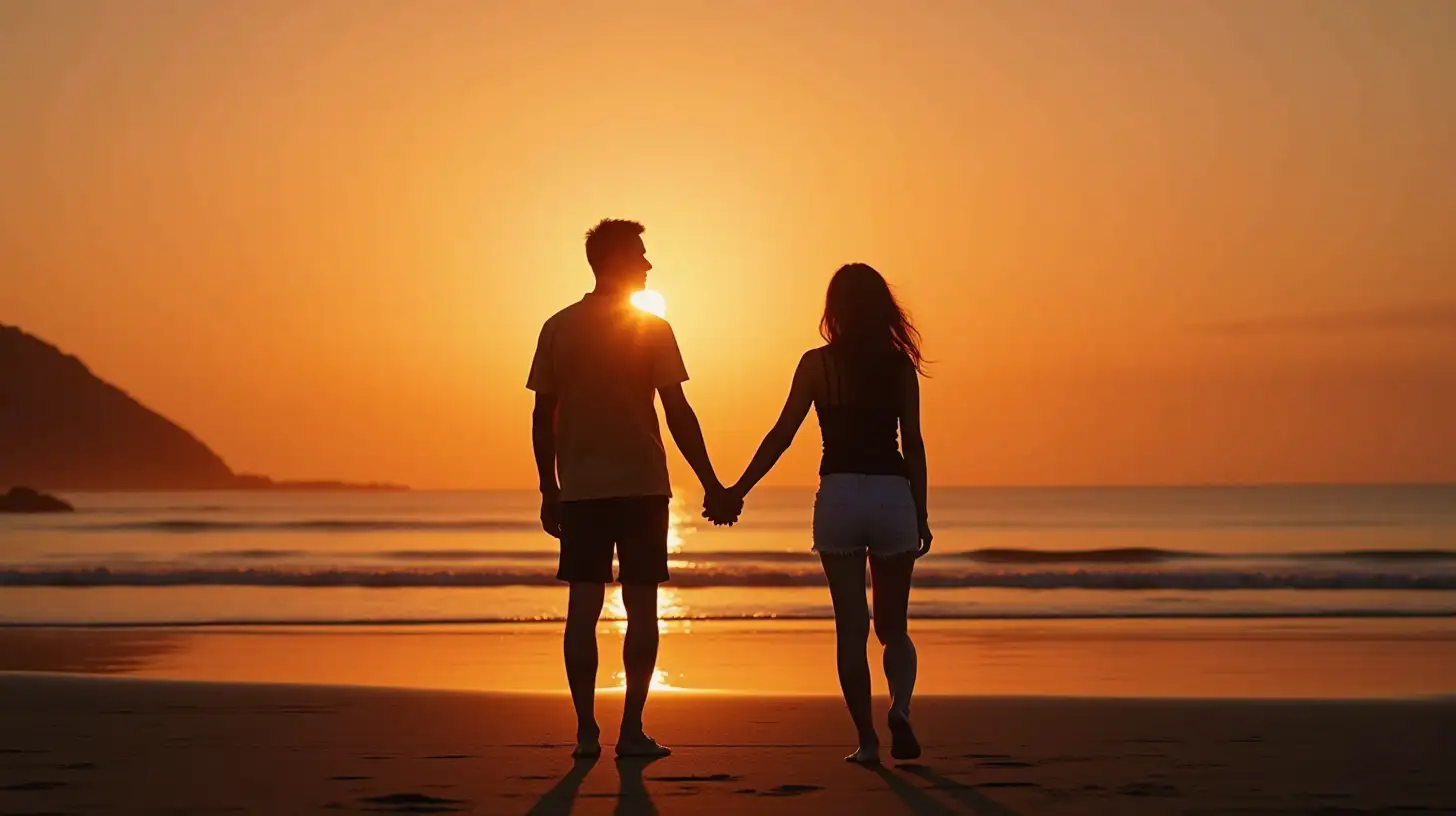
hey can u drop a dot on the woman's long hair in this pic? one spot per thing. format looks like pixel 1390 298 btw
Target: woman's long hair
pixel 864 324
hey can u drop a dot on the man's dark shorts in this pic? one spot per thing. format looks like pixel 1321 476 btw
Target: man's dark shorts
pixel 636 527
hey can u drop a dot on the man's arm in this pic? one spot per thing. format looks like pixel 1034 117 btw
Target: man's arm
pixel 542 380
pixel 543 442
pixel 668 375
pixel 682 423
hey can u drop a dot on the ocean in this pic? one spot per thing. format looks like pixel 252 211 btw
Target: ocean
pixel 350 559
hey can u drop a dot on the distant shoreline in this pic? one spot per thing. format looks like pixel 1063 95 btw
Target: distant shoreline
pixel 273 487
pixel 248 482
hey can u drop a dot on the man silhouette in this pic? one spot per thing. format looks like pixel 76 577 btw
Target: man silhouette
pixel 598 364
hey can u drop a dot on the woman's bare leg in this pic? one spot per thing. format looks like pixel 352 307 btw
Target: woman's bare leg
pixel 891 578
pixel 846 575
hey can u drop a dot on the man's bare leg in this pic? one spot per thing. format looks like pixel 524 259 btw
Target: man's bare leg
pixel 583 609
pixel 639 659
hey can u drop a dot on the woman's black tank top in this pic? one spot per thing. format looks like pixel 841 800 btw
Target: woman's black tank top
pixel 859 418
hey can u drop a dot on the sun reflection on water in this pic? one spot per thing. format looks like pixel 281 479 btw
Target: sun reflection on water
pixel 659 682
pixel 671 611
pixel 679 526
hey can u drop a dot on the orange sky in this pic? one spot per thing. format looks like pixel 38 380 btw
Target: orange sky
pixel 1147 242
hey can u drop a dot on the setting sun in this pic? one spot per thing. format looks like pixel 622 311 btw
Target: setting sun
pixel 650 301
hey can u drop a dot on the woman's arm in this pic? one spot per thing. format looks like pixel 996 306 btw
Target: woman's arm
pixel 914 447
pixel 801 397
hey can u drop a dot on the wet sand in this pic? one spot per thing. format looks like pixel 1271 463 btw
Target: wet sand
pixel 1304 659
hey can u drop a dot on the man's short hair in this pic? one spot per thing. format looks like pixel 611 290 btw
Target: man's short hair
pixel 608 238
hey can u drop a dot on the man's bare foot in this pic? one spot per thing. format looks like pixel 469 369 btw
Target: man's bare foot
pixel 903 744
pixel 640 746
pixel 866 755
pixel 588 744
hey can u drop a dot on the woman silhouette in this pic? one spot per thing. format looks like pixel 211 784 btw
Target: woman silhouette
pixel 864 384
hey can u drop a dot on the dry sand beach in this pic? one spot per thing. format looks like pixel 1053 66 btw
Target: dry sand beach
pixel 82 745
pixel 158 726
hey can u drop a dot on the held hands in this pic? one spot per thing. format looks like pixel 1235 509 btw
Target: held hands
pixel 722 506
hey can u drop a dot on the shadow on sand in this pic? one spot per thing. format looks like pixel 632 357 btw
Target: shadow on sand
pixel 632 796
pixel 633 799
pixel 559 800
pixel 919 801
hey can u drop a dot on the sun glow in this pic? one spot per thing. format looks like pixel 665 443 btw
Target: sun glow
pixel 650 301
pixel 671 611
pixel 679 525
pixel 659 682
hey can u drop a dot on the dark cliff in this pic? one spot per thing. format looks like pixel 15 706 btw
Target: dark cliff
pixel 64 428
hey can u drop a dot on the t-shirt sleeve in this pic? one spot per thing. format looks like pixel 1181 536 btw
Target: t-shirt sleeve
pixel 667 362
pixel 542 378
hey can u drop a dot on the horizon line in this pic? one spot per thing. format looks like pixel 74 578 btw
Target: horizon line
pixel 364 487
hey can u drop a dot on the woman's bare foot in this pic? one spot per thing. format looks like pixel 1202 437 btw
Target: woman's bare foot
pixel 903 744
pixel 866 755
pixel 640 746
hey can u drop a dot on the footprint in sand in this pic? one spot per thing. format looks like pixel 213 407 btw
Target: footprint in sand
pixel 791 790
pixel 722 777
pixel 1148 789
pixel 22 787
pixel 414 803
pixel 295 709
pixel 1067 758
